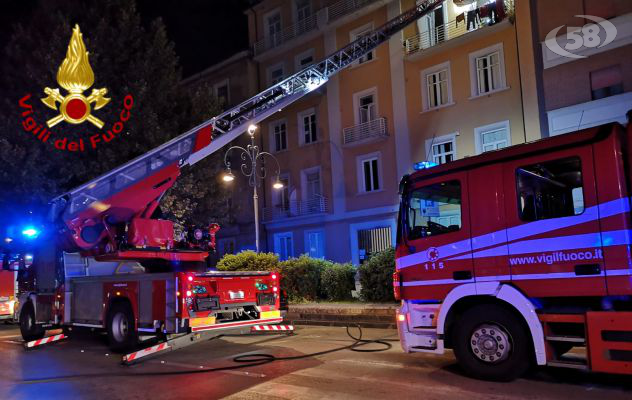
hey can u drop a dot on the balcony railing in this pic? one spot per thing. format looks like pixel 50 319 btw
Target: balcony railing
pixel 450 30
pixel 297 208
pixel 345 7
pixel 301 27
pixel 326 15
pixel 365 132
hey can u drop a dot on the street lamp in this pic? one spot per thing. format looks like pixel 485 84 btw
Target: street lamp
pixel 255 172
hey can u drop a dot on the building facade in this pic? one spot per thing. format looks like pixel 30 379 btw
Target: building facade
pixel 447 87
pixel 594 85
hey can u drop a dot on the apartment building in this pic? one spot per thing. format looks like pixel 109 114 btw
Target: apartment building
pixel 447 87
pixel 594 85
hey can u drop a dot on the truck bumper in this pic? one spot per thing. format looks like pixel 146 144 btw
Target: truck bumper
pixel 415 328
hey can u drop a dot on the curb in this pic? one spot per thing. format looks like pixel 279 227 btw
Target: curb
pixel 326 314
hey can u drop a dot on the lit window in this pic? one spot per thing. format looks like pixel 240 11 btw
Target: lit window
pixel 314 244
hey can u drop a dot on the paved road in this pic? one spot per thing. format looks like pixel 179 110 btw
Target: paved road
pixel 83 368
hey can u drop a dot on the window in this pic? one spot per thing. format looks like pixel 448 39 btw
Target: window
pixel 304 59
pixel 487 70
pixel 492 137
pixel 303 13
pixel 606 82
pixel 433 210
pixel 550 189
pixel 307 127
pixel 366 110
pixel 373 240
pixel 312 184
pixel 315 243
pixel 273 29
pixel 356 34
pixel 275 74
pixel 443 152
pixel 283 245
pixel 279 135
pixel 437 84
pixel 221 90
pixel 370 175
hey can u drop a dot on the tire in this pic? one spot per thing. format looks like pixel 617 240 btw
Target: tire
pixel 28 328
pixel 121 328
pixel 492 343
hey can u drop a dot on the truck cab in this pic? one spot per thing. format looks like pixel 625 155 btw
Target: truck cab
pixel 545 224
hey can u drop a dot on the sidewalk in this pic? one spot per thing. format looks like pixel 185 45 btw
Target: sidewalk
pixel 368 315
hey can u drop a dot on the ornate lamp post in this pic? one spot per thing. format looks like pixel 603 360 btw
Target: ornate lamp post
pixel 250 167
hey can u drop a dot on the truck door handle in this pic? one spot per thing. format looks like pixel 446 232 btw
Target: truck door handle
pixel 587 269
pixel 462 275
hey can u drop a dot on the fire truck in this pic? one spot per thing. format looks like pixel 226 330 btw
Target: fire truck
pixel 521 256
pixel 110 264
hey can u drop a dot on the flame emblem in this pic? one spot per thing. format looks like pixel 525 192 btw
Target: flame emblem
pixel 76 76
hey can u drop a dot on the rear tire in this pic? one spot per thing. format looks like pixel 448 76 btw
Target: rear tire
pixel 492 343
pixel 121 328
pixel 28 328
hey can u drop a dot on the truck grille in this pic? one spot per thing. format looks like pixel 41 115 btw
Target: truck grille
pixel 265 299
pixel 207 303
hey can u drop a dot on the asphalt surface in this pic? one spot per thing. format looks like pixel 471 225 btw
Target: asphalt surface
pixel 83 367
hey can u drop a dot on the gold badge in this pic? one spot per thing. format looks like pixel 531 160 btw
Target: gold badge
pixel 75 75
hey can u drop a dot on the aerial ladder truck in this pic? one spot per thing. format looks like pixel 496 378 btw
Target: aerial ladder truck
pixel 108 265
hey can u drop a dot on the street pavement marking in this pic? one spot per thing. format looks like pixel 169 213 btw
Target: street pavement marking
pixel 193 366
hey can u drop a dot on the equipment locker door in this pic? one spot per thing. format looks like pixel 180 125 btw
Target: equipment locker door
pixel 553 232
pixel 437 235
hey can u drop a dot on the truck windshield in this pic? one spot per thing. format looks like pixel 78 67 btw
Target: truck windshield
pixel 433 210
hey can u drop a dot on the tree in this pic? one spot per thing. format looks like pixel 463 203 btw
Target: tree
pixel 126 56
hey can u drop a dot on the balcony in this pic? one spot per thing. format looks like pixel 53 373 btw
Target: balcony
pixel 296 208
pixel 318 20
pixel 448 31
pixel 301 27
pixel 366 132
pixel 345 7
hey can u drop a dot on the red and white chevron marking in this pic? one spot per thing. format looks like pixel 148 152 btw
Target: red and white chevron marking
pixel 145 352
pixel 46 340
pixel 272 328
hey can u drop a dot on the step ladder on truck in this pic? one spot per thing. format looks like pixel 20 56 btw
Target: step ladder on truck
pixel 109 265
pixel 521 256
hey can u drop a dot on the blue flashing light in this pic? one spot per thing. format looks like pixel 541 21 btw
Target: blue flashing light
pixel 30 232
pixel 424 165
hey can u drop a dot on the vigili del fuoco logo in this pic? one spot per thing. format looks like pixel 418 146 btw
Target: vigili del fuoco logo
pixel 75 75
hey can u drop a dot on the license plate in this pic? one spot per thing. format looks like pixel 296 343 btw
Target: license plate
pixel 270 314
pixel 236 295
pixel 196 322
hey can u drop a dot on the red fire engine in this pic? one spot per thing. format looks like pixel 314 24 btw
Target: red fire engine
pixel 110 264
pixel 516 256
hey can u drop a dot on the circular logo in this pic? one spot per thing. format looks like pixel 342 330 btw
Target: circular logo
pixel 432 253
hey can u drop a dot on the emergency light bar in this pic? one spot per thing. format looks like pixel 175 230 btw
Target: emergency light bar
pixel 424 165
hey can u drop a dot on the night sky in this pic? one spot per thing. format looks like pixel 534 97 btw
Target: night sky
pixel 204 31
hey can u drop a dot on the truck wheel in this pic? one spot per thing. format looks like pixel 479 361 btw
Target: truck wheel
pixel 28 328
pixel 121 328
pixel 492 343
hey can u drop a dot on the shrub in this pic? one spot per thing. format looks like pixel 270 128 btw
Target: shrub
pixel 376 277
pixel 337 281
pixel 249 260
pixel 301 277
